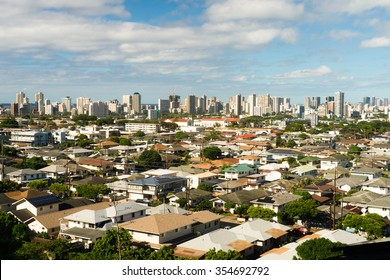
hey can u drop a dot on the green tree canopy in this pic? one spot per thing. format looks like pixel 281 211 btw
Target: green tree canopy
pixel 242 211
pixel 114 242
pixel 260 212
pixel 319 249
pixel 8 186
pixel 303 209
pixel 9 123
pixel 212 152
pixel 60 190
pixel 181 135
pixel 150 158
pixel 12 233
pixel 205 187
pixel 38 184
pixel 139 133
pixel 223 255
pixel 125 141
pixel 92 191
pixel 373 224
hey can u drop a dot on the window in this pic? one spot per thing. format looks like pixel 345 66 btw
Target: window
pixel 176 230
pixel 51 206
pixel 41 209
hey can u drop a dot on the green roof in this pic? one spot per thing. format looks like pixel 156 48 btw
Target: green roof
pixel 240 168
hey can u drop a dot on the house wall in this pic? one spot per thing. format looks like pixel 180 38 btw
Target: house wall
pixel 207 227
pixel 384 212
pixel 378 190
pixel 40 210
pixel 163 237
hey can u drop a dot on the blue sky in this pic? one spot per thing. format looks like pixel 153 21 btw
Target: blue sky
pixel 104 49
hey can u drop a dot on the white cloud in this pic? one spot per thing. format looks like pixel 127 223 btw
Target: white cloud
pixel 307 73
pixel 254 9
pixel 378 42
pixel 342 35
pixel 349 6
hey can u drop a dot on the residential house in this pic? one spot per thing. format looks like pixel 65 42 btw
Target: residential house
pixel 255 180
pixel 221 239
pixel 288 251
pixel 268 234
pixel 333 161
pixel 208 178
pixel 152 187
pixel 239 197
pixel 380 149
pixel 76 152
pixel 165 209
pixel 23 176
pixel 275 202
pixel 162 229
pixel 239 171
pixel 54 171
pixel 377 185
pixel 305 170
pixel 96 164
pixel 350 183
pixel 368 172
pixel 230 186
pixel 51 222
pixel 194 197
pixel 360 199
pixel 7 199
pixel 380 206
pixel 250 160
pixel 29 207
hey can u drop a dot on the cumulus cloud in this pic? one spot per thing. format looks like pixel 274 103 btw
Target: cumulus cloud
pixel 307 73
pixel 349 6
pixel 254 9
pixel 378 42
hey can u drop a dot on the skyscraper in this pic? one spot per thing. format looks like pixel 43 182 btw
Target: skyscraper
pixel 19 98
pixel 251 104
pixel 40 103
pixel 190 104
pixel 82 105
pixel 67 101
pixel 339 104
pixel 136 103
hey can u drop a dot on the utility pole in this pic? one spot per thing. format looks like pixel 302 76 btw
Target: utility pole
pixel 334 200
pixel 117 229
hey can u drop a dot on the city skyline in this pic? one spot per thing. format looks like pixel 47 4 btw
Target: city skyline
pixel 109 48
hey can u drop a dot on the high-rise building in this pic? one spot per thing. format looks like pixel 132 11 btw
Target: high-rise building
pixel 40 102
pixel 136 103
pixel 163 105
pixel 190 104
pixel 339 104
pixel 235 104
pixel 251 104
pixel 20 96
pixel 152 114
pixel 366 100
pixel 276 101
pixel 82 105
pixel 315 102
pixel 67 101
pixel 373 101
pixel 307 102
pixel 386 102
pixel 264 101
pixel 98 109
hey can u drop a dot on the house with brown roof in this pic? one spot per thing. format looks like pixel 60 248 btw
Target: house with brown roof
pixel 167 229
pixel 268 234
pixel 7 199
pixel 96 164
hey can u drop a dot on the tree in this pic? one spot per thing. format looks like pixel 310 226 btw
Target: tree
pixel 203 205
pixel 12 233
pixel 303 209
pixel 139 133
pixel 291 143
pixel 9 123
pixel 8 186
pixel 60 190
pixel 38 184
pixel 260 212
pixel 83 141
pixel 205 187
pixel 278 141
pixel 373 224
pixel 242 211
pixel 31 251
pixel 319 249
pixel 113 243
pixel 150 158
pixel 125 141
pixel 92 191
pixel 181 135
pixel 223 255
pixel 32 163
pixel 212 152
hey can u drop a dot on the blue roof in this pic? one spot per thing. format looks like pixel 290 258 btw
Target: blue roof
pixel 158 180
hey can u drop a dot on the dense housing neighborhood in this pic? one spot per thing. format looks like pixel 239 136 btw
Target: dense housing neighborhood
pixel 198 180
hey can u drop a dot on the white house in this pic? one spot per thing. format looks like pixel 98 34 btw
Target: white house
pixel 38 205
pixel 202 178
pixel 23 176
pixel 377 185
